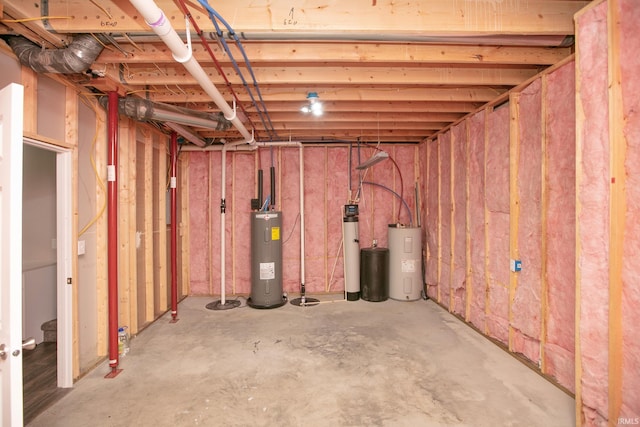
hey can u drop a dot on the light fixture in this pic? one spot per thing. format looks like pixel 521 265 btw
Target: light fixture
pixel 315 106
pixel 376 158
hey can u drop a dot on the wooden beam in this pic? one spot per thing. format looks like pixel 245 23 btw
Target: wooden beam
pixel 30 113
pixel 426 17
pixel 544 224
pixel 381 117
pixel 387 107
pixel 147 226
pixel 469 269
pixel 487 246
pixel 452 220
pixel 100 153
pixel 160 227
pixel 71 136
pixel 133 227
pixel 514 202
pixel 330 93
pixel 413 134
pixel 17 15
pixel 617 209
pixel 127 132
pixel 439 222
pixel 184 230
pixel 396 54
pixel 325 124
pixel 313 76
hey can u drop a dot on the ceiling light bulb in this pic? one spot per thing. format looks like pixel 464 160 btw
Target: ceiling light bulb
pixel 316 109
pixel 305 109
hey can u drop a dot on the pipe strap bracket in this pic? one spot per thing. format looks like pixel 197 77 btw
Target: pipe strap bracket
pixel 233 117
pixel 189 53
pixel 253 139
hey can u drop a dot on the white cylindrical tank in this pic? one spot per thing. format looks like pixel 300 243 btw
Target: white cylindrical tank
pixel 351 252
pixel 405 263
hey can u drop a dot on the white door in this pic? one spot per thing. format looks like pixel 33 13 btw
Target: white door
pixel 11 100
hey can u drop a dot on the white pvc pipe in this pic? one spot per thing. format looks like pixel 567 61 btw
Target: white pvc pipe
pixel 223 289
pixel 160 25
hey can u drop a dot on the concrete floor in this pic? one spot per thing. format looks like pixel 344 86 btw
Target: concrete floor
pixel 336 364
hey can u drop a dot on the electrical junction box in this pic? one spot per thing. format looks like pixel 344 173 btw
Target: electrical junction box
pixel 516 265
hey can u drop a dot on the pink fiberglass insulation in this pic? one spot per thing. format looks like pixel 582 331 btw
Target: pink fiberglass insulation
pixel 199 214
pixel 314 212
pixel 337 191
pixel 290 203
pixel 458 283
pixel 384 204
pixel 243 190
pixel 431 222
pixel 445 219
pixel 476 170
pixel 593 216
pixel 404 155
pixel 526 305
pixel 561 226
pixel 630 70
pixel 497 203
pixel 422 195
pixel 365 205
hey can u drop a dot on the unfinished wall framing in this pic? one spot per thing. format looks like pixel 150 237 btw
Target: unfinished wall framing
pixel 63 115
pixel 326 190
pixel 608 166
pixel 492 179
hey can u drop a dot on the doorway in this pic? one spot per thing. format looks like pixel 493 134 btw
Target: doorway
pixel 47 251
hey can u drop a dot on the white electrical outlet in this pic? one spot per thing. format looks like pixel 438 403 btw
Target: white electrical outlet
pixel 81 247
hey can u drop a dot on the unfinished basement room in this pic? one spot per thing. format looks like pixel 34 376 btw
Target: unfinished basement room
pixel 319 213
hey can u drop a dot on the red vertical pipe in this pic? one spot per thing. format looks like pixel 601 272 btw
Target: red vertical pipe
pixel 174 226
pixel 112 226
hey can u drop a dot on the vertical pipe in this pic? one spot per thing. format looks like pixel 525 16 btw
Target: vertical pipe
pixel 302 272
pixel 112 227
pixel 260 188
pixel 223 208
pixel 174 227
pixel 272 170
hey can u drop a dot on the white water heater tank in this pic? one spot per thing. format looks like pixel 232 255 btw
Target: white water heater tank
pixel 405 262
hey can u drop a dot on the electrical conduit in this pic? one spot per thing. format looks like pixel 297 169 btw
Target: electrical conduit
pixel 173 184
pixel 160 25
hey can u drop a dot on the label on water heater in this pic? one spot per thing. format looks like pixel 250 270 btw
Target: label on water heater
pixel 267 270
pixel 408 265
pixel 275 233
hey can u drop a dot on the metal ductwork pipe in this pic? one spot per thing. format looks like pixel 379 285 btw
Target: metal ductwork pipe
pixel 144 110
pixel 76 58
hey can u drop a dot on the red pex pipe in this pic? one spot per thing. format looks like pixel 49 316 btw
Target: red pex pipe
pixel 173 149
pixel 112 226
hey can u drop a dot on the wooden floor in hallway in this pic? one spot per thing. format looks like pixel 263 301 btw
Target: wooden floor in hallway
pixel 40 380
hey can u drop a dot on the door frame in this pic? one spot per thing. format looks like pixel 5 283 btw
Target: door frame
pixel 64 257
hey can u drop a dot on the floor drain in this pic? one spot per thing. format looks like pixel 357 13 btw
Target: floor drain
pixel 308 302
pixel 228 305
